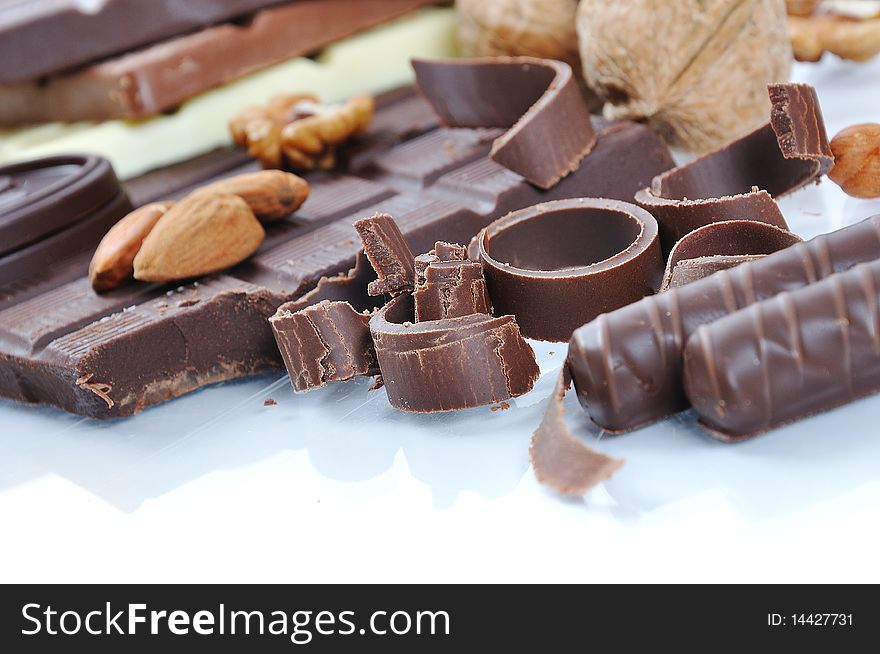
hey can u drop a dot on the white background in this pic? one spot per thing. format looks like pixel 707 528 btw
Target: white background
pixel 335 485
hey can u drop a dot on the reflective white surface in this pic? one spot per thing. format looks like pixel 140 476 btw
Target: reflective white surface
pixel 335 485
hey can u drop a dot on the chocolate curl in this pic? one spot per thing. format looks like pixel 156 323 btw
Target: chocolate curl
pixel 788 357
pixel 447 286
pixel 324 342
pixel 720 246
pixel 325 336
pixel 538 99
pixel 389 254
pixel 560 459
pixel 450 364
pixel 741 179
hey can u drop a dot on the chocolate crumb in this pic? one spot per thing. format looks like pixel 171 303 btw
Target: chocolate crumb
pixel 269 402
pixel 504 406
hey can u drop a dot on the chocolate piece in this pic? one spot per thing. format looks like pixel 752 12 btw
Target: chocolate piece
pixel 740 180
pixel 560 459
pixel 450 289
pixel 626 365
pixel 39 38
pixel 388 253
pixel 150 347
pixel 449 251
pixel 538 99
pixel 451 364
pixel 788 357
pixel 719 246
pixel 162 76
pixel 558 265
pixel 324 342
pixel 53 212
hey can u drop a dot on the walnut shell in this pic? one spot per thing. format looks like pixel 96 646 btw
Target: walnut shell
pixel 537 28
pixel 695 70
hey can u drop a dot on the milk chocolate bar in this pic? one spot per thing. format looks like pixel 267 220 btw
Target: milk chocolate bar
pixel 163 75
pixel 147 343
pixel 787 357
pixel 627 365
pixel 740 180
pixel 40 38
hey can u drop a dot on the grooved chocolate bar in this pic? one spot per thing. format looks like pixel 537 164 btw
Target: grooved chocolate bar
pixel 627 365
pixel 791 356
pixel 113 354
pixel 163 75
pixel 38 38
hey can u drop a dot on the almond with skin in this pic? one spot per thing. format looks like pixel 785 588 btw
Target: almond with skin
pixel 205 232
pixel 113 262
pixel 271 194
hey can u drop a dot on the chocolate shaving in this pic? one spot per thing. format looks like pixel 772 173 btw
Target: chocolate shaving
pixel 719 246
pixel 558 265
pixel 99 389
pixel 324 342
pixel 450 289
pixel 538 99
pixel 451 364
pixel 741 179
pixel 388 253
pixel 561 460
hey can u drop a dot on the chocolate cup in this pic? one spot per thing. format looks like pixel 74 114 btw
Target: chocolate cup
pixel 558 265
pixel 720 246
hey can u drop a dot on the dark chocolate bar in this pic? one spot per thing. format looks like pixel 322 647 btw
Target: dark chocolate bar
pixel 740 180
pixel 558 265
pixel 39 38
pixel 788 357
pixel 146 343
pixel 722 245
pixel 161 76
pixel 627 365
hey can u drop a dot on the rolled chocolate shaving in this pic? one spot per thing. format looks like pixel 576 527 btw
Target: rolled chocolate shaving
pixel 450 289
pixel 627 365
pixel 451 364
pixel 560 459
pixel 719 246
pixel 558 265
pixel 538 99
pixel 325 335
pixel 741 179
pixel 324 342
pixel 389 254
pixel 788 357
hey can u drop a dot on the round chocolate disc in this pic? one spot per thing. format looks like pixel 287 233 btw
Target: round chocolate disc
pixel 42 196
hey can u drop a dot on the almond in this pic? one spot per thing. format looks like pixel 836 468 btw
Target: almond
pixel 113 261
pixel 205 232
pixel 271 194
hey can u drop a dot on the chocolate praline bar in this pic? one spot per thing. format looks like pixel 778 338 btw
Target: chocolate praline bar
pixel 627 365
pixel 788 357
pixel 149 343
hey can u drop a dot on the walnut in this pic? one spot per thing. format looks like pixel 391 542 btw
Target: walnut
pixel 695 70
pixel 858 40
pixel 295 131
pixel 537 28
